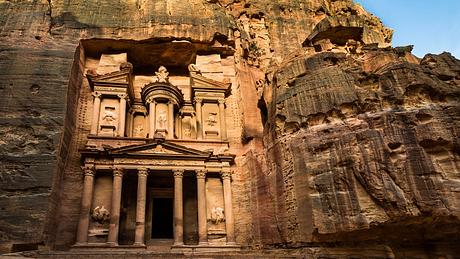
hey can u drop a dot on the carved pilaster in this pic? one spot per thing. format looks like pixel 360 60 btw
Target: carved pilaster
pixel 112 239
pixel 199 119
pixel 223 128
pixel 229 224
pixel 178 208
pixel 142 174
pixel 122 116
pixel 86 198
pixel 201 197
pixel 96 111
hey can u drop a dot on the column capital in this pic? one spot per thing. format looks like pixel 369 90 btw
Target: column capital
pixel 118 172
pixel 221 100
pixel 88 170
pixel 226 175
pixel 142 171
pixel 178 173
pixel 150 100
pixel 198 99
pixel 122 96
pixel 96 94
pixel 201 174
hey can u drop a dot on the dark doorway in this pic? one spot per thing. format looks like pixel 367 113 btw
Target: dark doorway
pixel 162 218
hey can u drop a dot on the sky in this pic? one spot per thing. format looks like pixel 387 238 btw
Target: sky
pixel 433 26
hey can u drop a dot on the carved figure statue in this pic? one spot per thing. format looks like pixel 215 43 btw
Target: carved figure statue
pixel 211 120
pixel 217 215
pixel 162 120
pixel 109 116
pixel 162 76
pixel 138 130
pixel 100 214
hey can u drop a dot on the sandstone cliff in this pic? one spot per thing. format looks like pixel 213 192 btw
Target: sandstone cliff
pixel 343 142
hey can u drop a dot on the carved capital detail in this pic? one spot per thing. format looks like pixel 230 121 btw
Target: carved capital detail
pixel 88 170
pixel 143 172
pixel 118 172
pixel 200 174
pixel 226 175
pixel 198 99
pixel 221 101
pixel 122 96
pixel 178 173
pixel 96 94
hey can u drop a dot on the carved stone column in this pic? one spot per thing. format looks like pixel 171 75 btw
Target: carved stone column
pixel 199 119
pixel 178 208
pixel 171 120
pixel 122 121
pixel 140 209
pixel 202 222
pixel 115 210
pixel 152 111
pixel 96 111
pixel 229 223
pixel 223 128
pixel 86 198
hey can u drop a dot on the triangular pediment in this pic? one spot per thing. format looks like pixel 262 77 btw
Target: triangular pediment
pixel 200 81
pixel 159 148
pixel 115 77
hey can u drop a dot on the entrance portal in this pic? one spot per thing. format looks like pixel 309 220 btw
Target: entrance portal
pixel 162 218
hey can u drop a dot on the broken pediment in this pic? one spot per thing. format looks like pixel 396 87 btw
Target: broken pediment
pixel 199 82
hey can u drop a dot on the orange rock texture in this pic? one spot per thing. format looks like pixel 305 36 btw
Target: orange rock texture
pixel 345 147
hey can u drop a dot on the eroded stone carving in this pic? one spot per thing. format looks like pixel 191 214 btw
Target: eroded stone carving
pixel 212 120
pixel 100 214
pixel 162 120
pixel 217 215
pixel 162 76
pixel 109 116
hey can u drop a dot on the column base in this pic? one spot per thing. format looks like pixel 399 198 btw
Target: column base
pixel 203 243
pixel 178 244
pixel 80 244
pixel 112 243
pixel 232 243
pixel 138 244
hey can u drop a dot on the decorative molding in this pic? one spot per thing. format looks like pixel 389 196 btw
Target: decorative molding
pixel 221 101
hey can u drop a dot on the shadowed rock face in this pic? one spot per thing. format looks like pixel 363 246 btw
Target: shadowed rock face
pixel 340 143
pixel 364 150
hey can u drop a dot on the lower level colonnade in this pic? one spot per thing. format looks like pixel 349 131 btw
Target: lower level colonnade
pixel 141 200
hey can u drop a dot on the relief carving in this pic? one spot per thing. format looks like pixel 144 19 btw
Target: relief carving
pixel 211 120
pixel 217 215
pixel 162 120
pixel 100 215
pixel 109 115
pixel 139 131
pixel 162 76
